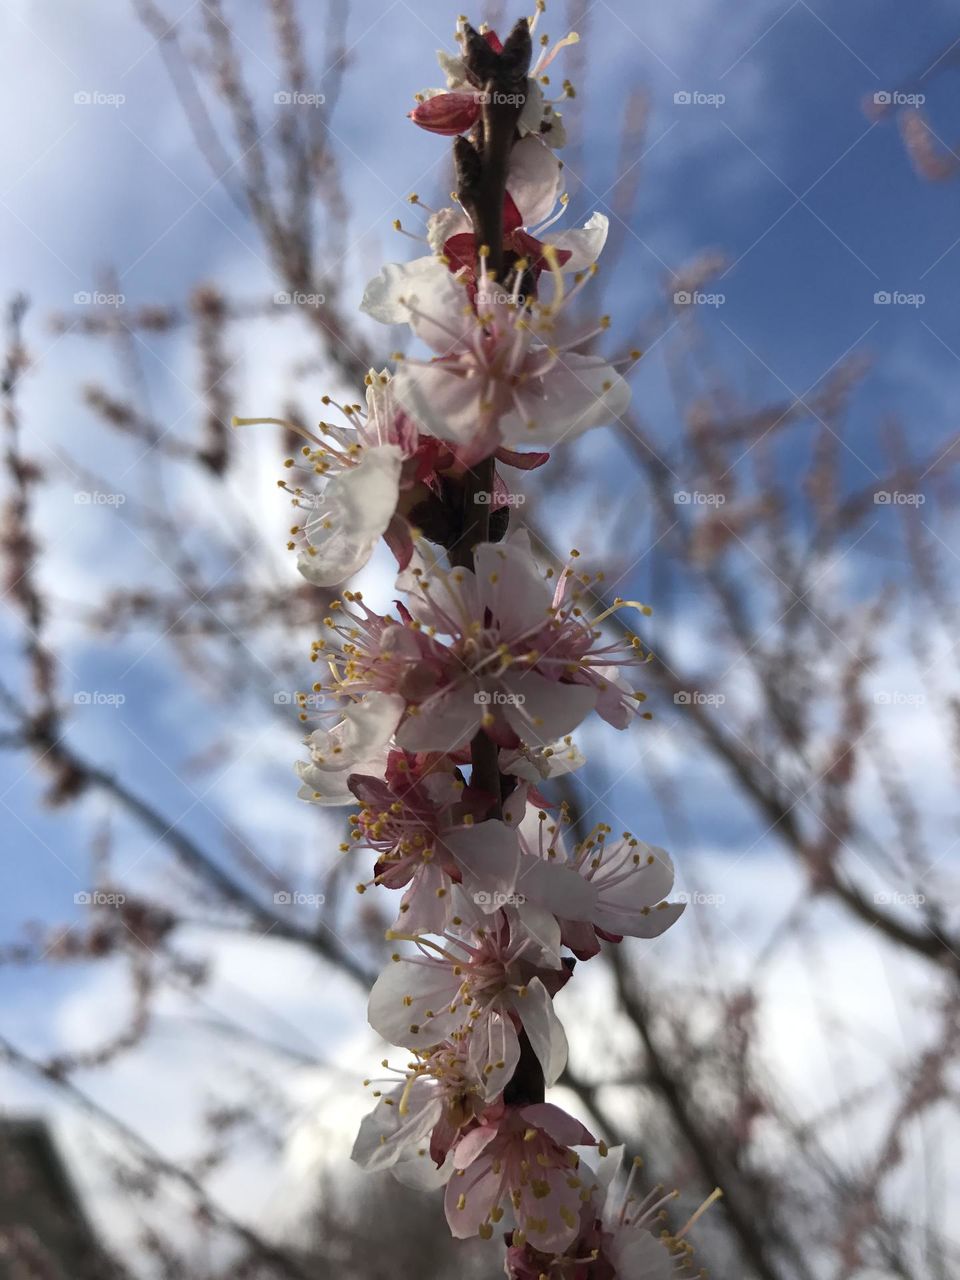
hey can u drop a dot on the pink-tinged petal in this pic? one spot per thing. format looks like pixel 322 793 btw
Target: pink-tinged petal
pixel 544 1029
pixel 425 907
pixel 581 938
pixel 549 1212
pixel 522 461
pixel 399 539
pixel 488 853
pixel 542 710
pixel 561 1127
pixel 447 113
pixel 578 393
pixel 534 180
pixel 444 399
pixel 443 722
pixel 582 246
pixel 473 1145
pixel 512 587
pixel 469 1199
pixel 388 1135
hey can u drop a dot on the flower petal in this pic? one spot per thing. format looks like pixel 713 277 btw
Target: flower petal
pixel 541 710
pixel 544 1029
pixel 534 180
pixel 583 245
pixel 576 394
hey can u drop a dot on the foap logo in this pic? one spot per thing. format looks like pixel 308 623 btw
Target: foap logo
pixel 296 698
pixel 897 298
pixel 296 98
pixel 298 299
pixel 483 498
pixel 95 698
pixel 96 298
pixel 898 498
pixel 694 498
pixel 497 698
pixel 294 898
pixel 94 498
pixel 893 899
pixel 698 899
pixel 694 298
pixel 98 898
pixel 500 99
pixel 895 698
pixel 894 98
pixel 694 98
pixel 695 698
pixel 484 899
pixel 97 98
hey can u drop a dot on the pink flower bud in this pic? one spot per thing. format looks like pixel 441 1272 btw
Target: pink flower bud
pixel 447 113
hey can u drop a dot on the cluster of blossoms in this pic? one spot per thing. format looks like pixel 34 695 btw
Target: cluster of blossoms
pixel 450 717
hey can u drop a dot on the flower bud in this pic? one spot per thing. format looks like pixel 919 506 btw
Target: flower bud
pixel 447 113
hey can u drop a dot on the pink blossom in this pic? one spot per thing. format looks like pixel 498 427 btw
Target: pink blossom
pixel 516 1165
pixel 504 371
pixel 602 889
pixel 484 979
pixel 414 1125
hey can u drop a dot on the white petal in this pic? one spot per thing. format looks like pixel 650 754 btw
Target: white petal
pixel 444 722
pixel 446 223
pixel 540 710
pixel 357 507
pixel 572 397
pixel 430 990
pixel 488 854
pixel 584 245
pixel 534 180
pixel 493 1040
pixel 454 70
pixel 419 1171
pixel 637 1255
pixel 437 307
pixel 381 297
pixel 535 764
pixel 387 1136
pixel 558 888
pixel 445 402
pixel 336 558
pixel 544 1029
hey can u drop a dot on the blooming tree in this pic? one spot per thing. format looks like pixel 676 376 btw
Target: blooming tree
pixel 452 713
